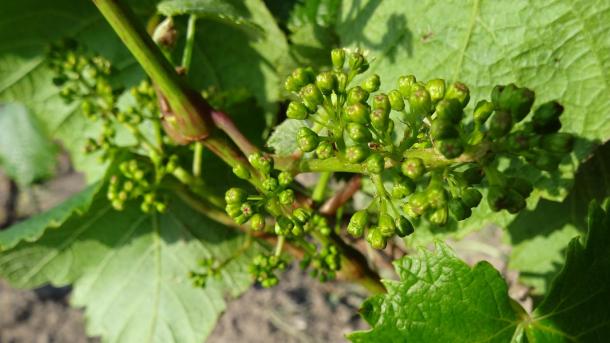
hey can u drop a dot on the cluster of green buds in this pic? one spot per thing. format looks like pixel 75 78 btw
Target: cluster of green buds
pixel 324 264
pixel 419 136
pixel 265 267
pixel 207 269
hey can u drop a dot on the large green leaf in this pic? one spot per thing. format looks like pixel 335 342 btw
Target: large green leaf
pixel 26 153
pixel 540 236
pixel 27 28
pixel 558 48
pixel 130 270
pixel 440 299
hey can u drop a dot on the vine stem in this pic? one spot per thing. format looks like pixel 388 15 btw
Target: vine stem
pixel 320 190
pixel 187 55
pixel 190 119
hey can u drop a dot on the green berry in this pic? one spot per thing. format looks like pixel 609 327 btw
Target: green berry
pixel 357 95
pixel 450 147
pixel 546 117
pixel 376 239
pixel 358 132
pixel 357 113
pixel 471 197
pixel 436 88
pixel 396 101
pixel 520 103
pixel 441 129
pixel 413 168
pixel 560 143
pixel 403 227
pixel 356 154
pixel 449 110
pixel 358 223
pixel 307 140
pixel 386 225
pixel 286 197
pixel 312 97
pixel 459 92
pixel 326 82
pixel 402 188
pixel 257 222
pixel 235 196
pixel 337 57
pixel 459 210
pixel 439 216
pixel 495 95
pixel 241 172
pixel 284 178
pixel 404 85
pixel 482 111
pixel 296 110
pixel 379 119
pixel 324 150
pixel 372 83
pixel 374 164
pixel 419 100
pixel 500 124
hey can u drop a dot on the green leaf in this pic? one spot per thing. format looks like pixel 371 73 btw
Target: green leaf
pixel 26 153
pixel 214 9
pixel 130 269
pixel 283 140
pixel 558 48
pixel 27 28
pixel 576 306
pixel 540 236
pixel 440 299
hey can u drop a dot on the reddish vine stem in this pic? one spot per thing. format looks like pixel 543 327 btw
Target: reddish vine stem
pixel 330 207
pixel 191 119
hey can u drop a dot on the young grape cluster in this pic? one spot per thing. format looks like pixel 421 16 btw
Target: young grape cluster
pixel 418 137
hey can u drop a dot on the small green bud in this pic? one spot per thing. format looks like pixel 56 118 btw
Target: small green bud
pixel 358 63
pixel 386 225
pixel 312 97
pixel 241 172
pixel 307 140
pixel 544 161
pixel 396 101
pixel 382 102
pixel 257 222
pixel 516 202
pixel 482 111
pixel 403 188
pixel 235 196
pixel 521 185
pixel 379 119
pixel 495 95
pixel 437 197
pixel 261 162
pixel 297 229
pixel 357 113
pixel 272 205
pixel 413 168
pixel 404 85
pixel 233 210
pixel 560 143
pixel 473 175
pixel 439 216
pixel 283 226
pixel 372 83
pixel 296 110
pixel 376 239
pixel 303 76
pixel 341 82
pixel 450 147
pixel 270 184
pixel 284 178
pixel 358 132
pixel 357 223
pixel 337 57
pixel 324 150
pixel 471 197
pixel 450 110
pixel 246 209
pixel 301 215
pixel 419 101
pixel 403 227
pixel 326 82
pixel 459 210
pixel 357 95
pixel 436 88
pixel 417 204
pixel 546 117
pixel 441 129
pixel 286 197
pixel 518 141
pixel 500 124
pixel 498 198
pixel 459 92
pixel 374 164
pixel 356 154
